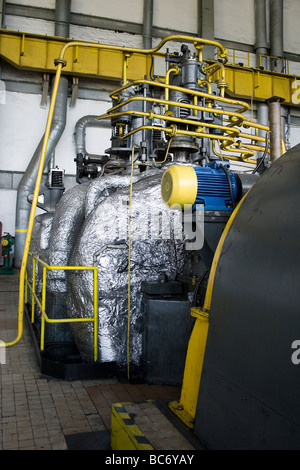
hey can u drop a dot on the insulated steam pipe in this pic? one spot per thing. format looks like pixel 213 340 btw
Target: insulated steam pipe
pixel 276 33
pixel 275 128
pixel 33 209
pixel 62 18
pixel 261 49
pixel 147 24
pixel 80 127
pixel 33 176
pixel 27 183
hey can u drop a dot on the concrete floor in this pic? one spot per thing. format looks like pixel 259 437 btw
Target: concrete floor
pixel 40 412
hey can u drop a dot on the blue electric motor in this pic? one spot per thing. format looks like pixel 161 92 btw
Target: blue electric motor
pixel 212 187
pixel 216 187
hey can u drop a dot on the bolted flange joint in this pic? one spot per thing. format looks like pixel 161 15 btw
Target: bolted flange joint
pixel 60 61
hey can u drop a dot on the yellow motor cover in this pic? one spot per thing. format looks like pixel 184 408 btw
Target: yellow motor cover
pixel 179 185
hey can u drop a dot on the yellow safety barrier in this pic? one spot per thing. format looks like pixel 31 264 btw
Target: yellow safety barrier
pixel 42 304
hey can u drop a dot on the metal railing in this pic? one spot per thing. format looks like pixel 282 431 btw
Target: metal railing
pixel 42 303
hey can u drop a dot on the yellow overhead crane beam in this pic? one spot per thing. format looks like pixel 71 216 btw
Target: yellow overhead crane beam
pixel 38 52
pixel 260 85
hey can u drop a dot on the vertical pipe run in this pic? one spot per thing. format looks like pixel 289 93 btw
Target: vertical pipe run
pixel 62 18
pixel 39 164
pixel 261 48
pixel 261 43
pixel 27 183
pixel 275 128
pixel 147 24
pixel 206 25
pixel 276 34
pixel 277 48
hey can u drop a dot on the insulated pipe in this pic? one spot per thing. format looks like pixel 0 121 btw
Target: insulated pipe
pixel 261 48
pixel 27 182
pixel 276 33
pixel 62 18
pixel 275 128
pixel 276 47
pixel 33 209
pixel 80 127
pixel 261 43
pixel 147 24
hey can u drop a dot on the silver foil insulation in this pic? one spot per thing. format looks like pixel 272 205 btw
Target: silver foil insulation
pixel 91 226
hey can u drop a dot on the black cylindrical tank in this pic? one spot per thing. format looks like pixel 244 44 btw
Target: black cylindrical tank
pixel 249 395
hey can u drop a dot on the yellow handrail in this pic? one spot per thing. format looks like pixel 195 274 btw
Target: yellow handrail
pixel 42 304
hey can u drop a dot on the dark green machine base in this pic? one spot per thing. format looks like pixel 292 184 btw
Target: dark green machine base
pixel 6 270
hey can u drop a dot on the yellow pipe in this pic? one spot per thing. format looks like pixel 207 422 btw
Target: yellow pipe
pixel 125 65
pixel 174 70
pixel 257 138
pixel 255 125
pixel 237 131
pixel 222 84
pixel 244 105
pixel 233 132
pixel 222 51
pixel 170 130
pixel 230 157
pixel 62 268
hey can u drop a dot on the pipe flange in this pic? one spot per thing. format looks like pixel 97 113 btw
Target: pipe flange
pixel 60 61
